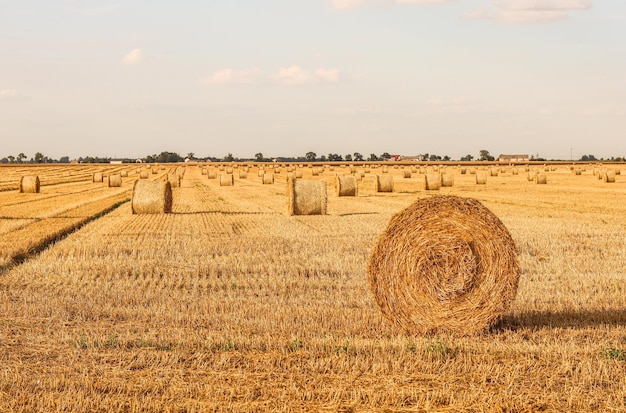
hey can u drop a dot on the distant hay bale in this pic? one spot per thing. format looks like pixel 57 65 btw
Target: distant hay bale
pixel 151 197
pixel 227 179
pixel 204 171
pixel 531 175
pixel 609 176
pixel 211 174
pixel 493 171
pixel 317 171
pixel 268 179
pixel 541 178
pixel 406 173
pixel 155 171
pixel 306 197
pixel 447 180
pixel 174 180
pixel 432 182
pixel 481 178
pixel 618 172
pixel 229 170
pixel 143 175
pixel 444 265
pixel 290 175
pixel 413 170
pixel 114 180
pixel 422 170
pixel 385 169
pixel 514 171
pixel 463 171
pixel 243 174
pixel 221 168
pixel 299 174
pixel 577 171
pixel 29 184
pixel 261 172
pixel 472 171
pixel 345 185
pixel 384 183
pixel 97 177
pixel 124 174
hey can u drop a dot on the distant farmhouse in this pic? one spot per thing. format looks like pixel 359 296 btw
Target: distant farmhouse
pixel 513 158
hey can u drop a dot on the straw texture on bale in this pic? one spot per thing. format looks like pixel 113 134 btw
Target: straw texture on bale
pixel 432 182
pixel 124 174
pixel 447 180
pixel 577 171
pixel 384 183
pixel 541 178
pixel 261 172
pixel 306 197
pixel 29 184
pixel 227 179
pixel 97 177
pixel 174 180
pixel 114 180
pixel 229 170
pixel 299 174
pixel 481 178
pixel 143 175
pixel 444 265
pixel 493 171
pixel 463 171
pixel 385 169
pixel 243 174
pixel 609 176
pixel 155 171
pixel 345 185
pixel 204 171
pixel 152 197
pixel 211 174
pixel 406 173
pixel 268 179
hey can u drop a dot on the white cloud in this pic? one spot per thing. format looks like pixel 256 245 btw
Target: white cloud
pixel 134 57
pixel 8 94
pixel 296 75
pixel 231 76
pixel 529 11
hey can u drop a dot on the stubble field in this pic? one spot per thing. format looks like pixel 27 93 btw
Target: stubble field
pixel 229 304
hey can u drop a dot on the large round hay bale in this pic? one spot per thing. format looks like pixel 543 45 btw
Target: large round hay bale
pixel 384 183
pixel 155 171
pixel 540 178
pixel 114 180
pixel 151 197
pixel 260 173
pixel 345 185
pixel 463 170
pixel 97 177
pixel 609 176
pixel 29 184
pixel 227 179
pixel 481 178
pixel 174 180
pixel 124 174
pixel 299 174
pixel 493 171
pixel 211 174
pixel 306 197
pixel 432 182
pixel 447 180
pixel 143 175
pixel 204 171
pixel 444 264
pixel 577 171
pixel 243 174
pixel 229 170
pixel 406 173
pixel 268 179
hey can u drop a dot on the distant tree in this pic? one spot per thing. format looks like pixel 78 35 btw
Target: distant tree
pixel 588 158
pixel 310 156
pixel 467 158
pixel 229 158
pixel 11 158
pixel 385 156
pixel 39 157
pixel 372 157
pixel 357 156
pixel 64 159
pixel 191 155
pixel 21 157
pixel 434 157
pixel 348 157
pixel 484 155
pixel 166 157
pixel 323 158
pixel 446 158
pixel 259 157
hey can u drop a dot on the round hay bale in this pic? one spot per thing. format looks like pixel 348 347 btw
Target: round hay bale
pixel 345 185
pixel 481 178
pixel 406 173
pixel 317 171
pixel 306 197
pixel 609 176
pixel 143 175
pixel 114 180
pixel 447 180
pixel 299 174
pixel 227 179
pixel 97 177
pixel 229 170
pixel 514 171
pixel 577 171
pixel 268 179
pixel 211 174
pixel 174 180
pixel 384 183
pixel 445 264
pixel 124 174
pixel 385 169
pixel 243 174
pixel 618 172
pixel 29 184
pixel 531 175
pixel 152 197
pixel 432 182
pixel 540 178
pixel 463 171
pixel 204 171
pixel 493 171
pixel 290 175
pixel 261 172
pixel 155 171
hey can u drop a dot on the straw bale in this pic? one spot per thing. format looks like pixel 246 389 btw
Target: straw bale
pixel 609 176
pixel 229 170
pixel 463 171
pixel 124 174
pixel 97 177
pixel 155 171
pixel 577 171
pixel 432 182
pixel 151 197
pixel 406 173
pixel 445 264
pixel 268 179
pixel 540 178
pixel 29 184
pixel 174 180
pixel 243 174
pixel 114 180
pixel 261 172
pixel 306 197
pixel 227 179
pixel 493 171
pixel 143 175
pixel 299 174
pixel 384 183
pixel 514 171
pixel 291 175
pixel 211 174
pixel 385 169
pixel 345 185
pixel 204 171
pixel 481 178
pixel 447 180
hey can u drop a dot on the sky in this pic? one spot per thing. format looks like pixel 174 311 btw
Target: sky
pixel 130 78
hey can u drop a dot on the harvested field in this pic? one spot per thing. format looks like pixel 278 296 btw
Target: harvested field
pixel 230 304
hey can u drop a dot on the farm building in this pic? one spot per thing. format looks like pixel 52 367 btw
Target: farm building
pixel 513 158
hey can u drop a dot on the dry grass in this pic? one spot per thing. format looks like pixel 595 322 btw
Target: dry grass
pixel 228 304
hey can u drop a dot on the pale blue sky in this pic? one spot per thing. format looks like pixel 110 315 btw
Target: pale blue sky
pixel 128 78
